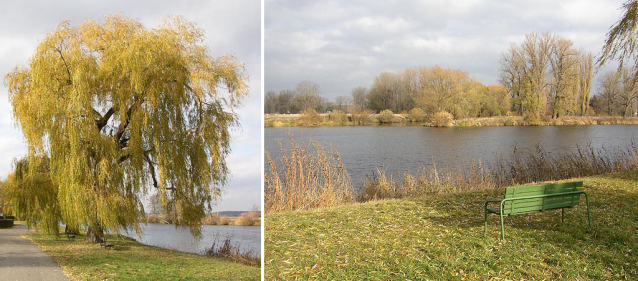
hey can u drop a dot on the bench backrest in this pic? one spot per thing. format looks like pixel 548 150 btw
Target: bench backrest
pixel 540 204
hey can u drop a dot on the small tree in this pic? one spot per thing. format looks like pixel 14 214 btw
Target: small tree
pixel 121 108
pixel 33 194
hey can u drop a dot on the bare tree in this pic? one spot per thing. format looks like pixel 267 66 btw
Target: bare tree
pixel 586 67
pixel 628 91
pixel 563 61
pixel 609 89
pixel 308 95
pixel 359 96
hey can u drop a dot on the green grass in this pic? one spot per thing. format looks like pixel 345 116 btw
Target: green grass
pixel 441 237
pixel 130 260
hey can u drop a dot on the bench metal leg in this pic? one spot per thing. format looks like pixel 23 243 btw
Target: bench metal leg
pixel 485 222
pixel 562 219
pixel 502 227
pixel 588 215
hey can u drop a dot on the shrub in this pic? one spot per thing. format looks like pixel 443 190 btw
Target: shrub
pixel 249 218
pixel 309 117
pixel 442 119
pixel 531 118
pixel 224 221
pixel 211 219
pixel 338 117
pixel 386 116
pixel 361 117
pixel 416 115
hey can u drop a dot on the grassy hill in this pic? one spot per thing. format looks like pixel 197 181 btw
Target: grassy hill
pixel 441 237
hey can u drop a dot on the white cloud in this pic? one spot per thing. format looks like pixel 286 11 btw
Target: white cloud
pixel 344 44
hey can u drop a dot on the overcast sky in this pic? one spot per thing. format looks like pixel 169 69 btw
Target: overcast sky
pixel 344 44
pixel 230 27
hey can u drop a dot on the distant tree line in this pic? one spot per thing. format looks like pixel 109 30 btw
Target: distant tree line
pixel 545 75
pixel 431 89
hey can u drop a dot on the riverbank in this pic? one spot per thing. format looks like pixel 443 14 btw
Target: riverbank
pixel 324 120
pixel 440 236
pixel 130 260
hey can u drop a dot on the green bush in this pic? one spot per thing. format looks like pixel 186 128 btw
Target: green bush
pixel 386 116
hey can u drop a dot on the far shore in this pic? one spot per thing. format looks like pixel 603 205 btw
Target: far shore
pixel 296 120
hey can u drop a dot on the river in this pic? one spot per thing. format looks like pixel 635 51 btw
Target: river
pixel 408 148
pixel 247 238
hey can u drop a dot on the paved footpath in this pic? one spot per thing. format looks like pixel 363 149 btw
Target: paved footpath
pixel 21 259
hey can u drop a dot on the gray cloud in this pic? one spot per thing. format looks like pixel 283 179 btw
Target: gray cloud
pixel 342 45
pixel 230 27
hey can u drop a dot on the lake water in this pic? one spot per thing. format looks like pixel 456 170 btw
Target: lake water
pixel 408 148
pixel 247 238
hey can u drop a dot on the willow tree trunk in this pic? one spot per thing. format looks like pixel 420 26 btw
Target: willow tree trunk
pixel 94 235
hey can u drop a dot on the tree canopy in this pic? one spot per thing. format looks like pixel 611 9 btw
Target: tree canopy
pixel 118 108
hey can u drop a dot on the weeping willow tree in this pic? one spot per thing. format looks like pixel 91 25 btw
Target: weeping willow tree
pixel 622 39
pixel 120 109
pixel 33 195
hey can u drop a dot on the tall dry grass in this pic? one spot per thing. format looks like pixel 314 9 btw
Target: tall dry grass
pixel 306 176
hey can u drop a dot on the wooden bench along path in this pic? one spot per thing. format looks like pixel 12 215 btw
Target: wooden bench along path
pixel 537 198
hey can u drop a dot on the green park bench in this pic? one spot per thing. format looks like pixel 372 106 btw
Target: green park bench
pixel 537 198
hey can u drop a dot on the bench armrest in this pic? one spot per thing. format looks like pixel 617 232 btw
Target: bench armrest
pixel 491 201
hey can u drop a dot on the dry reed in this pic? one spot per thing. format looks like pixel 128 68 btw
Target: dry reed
pixel 230 251
pixel 306 176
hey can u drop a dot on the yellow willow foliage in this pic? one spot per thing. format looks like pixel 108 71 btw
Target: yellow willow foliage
pixel 32 194
pixel 120 108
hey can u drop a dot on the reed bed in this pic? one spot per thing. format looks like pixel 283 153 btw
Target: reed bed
pixel 306 176
pixel 227 250
pixel 311 177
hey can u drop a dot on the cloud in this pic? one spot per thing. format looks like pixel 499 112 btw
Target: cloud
pixel 230 27
pixel 343 44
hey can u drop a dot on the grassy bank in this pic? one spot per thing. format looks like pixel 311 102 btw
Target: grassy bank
pixel 440 236
pixel 292 120
pixel 130 260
